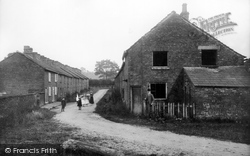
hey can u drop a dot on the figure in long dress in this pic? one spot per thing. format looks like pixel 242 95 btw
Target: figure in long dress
pixel 91 99
pixel 85 100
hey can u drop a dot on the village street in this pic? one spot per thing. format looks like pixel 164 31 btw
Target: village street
pixel 131 140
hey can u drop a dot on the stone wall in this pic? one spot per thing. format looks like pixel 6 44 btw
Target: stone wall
pixel 224 103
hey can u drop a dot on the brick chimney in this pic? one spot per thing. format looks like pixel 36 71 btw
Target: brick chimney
pixel 27 49
pixel 184 12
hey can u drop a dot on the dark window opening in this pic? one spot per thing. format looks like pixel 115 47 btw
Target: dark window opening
pixel 158 90
pixel 160 58
pixel 209 57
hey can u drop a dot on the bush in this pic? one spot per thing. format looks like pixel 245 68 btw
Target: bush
pixel 85 90
pixel 39 114
pixel 71 97
pixel 101 82
pixel 111 104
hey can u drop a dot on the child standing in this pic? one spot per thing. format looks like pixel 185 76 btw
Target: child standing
pixel 63 102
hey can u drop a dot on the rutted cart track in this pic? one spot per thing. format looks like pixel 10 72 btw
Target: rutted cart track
pixel 133 140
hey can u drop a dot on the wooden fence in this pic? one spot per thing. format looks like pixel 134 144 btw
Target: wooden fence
pixel 162 109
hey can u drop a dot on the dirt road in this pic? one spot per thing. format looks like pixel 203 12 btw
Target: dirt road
pixel 132 140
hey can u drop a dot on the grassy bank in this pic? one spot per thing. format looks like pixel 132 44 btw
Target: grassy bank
pixel 112 108
pixel 38 127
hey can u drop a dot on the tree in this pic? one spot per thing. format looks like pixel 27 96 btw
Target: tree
pixel 106 69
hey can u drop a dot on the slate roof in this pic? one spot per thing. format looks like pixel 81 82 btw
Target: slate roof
pixel 54 66
pixel 224 76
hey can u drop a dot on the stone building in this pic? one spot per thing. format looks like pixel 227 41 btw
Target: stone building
pixel 157 58
pixel 30 72
pixel 221 92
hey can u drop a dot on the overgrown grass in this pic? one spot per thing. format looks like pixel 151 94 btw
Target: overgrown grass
pixel 37 127
pixel 111 108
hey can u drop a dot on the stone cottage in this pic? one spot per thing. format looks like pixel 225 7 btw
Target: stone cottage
pixel 30 72
pixel 157 58
pixel 221 92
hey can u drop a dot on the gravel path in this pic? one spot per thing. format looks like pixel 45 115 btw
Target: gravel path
pixel 132 140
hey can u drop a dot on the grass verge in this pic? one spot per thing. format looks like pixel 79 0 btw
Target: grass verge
pixel 111 108
pixel 38 127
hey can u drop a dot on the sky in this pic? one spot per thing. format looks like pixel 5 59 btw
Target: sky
pixel 81 32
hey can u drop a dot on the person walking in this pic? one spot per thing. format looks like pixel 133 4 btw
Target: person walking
pixel 63 102
pixel 79 103
pixel 149 101
pixel 91 99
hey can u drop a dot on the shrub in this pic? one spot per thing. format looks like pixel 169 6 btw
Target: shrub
pixel 111 104
pixel 101 82
pixel 39 114
pixel 71 97
pixel 85 90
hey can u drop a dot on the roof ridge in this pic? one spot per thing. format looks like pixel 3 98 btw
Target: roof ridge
pixel 53 67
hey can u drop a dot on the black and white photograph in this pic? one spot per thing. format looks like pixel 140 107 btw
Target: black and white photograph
pixel 125 77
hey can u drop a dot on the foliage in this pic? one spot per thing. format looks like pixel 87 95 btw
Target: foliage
pixel 101 82
pixel 37 127
pixel 111 104
pixel 84 91
pixel 13 110
pixel 106 69
pixel 71 97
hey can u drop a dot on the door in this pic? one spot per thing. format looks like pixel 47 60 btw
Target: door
pixel 46 96
pixel 136 100
pixel 53 94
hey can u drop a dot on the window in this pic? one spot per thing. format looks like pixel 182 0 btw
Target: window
pixel 159 90
pixel 49 88
pixel 208 57
pixel 56 77
pixel 55 90
pixel 49 75
pixel 160 58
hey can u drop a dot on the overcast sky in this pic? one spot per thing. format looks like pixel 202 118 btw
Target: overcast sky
pixel 80 32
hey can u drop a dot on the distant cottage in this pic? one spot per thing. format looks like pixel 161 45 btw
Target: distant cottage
pixel 156 60
pixel 30 72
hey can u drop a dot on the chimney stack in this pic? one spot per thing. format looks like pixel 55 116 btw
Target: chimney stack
pixel 184 12
pixel 27 49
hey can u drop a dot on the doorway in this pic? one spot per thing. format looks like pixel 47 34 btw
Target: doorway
pixel 136 100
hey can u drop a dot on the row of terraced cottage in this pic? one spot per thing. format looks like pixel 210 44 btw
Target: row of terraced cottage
pixel 189 72
pixel 31 73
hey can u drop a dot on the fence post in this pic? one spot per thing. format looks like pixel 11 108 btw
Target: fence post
pixel 187 110
pixel 160 109
pixel 193 109
pixel 164 109
pixel 154 110
pixel 183 109
pixel 168 108
pixel 157 109
pixel 144 107
pixel 173 109
pixel 178 110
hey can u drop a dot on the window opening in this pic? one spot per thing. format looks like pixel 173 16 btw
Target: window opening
pixel 158 90
pixel 209 57
pixel 160 58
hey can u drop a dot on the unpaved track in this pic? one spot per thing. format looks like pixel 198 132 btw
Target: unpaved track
pixel 141 140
